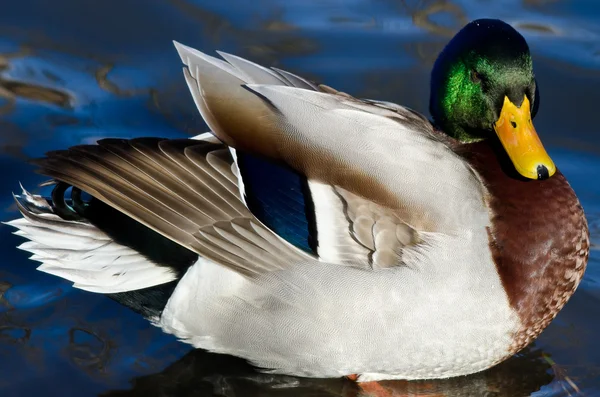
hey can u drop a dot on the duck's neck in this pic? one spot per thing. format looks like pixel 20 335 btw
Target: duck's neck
pixel 538 237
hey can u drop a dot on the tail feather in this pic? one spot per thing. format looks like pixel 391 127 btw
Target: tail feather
pixel 78 251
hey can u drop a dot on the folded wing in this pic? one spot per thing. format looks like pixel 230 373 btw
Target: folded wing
pixel 351 182
pixel 378 176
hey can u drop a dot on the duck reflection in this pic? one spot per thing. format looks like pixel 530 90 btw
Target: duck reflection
pixel 205 374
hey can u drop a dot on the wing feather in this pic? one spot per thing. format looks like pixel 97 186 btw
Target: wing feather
pixel 183 189
pixel 380 177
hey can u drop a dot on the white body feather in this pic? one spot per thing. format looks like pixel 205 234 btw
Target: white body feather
pixel 446 314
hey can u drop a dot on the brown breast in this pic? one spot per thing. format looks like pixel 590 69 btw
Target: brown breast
pixel 539 238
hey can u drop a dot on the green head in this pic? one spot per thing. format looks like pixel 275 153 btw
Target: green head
pixel 483 87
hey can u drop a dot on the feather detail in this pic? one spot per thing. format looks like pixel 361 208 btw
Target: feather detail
pixel 184 190
pixel 81 253
pixel 377 159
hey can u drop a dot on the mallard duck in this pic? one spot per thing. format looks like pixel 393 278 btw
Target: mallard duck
pixel 320 235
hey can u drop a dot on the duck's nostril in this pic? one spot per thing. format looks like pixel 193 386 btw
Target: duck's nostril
pixel 542 172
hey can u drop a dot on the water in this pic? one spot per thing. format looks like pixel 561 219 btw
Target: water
pixel 73 71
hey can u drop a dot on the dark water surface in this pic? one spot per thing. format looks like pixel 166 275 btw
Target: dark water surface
pixel 73 71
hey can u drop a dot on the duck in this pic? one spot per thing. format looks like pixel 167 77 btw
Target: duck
pixel 316 234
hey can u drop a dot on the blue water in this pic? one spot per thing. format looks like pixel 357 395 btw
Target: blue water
pixel 73 71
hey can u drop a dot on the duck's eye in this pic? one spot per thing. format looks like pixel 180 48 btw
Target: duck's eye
pixel 476 77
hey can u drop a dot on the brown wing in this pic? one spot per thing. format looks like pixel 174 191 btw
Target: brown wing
pixel 183 189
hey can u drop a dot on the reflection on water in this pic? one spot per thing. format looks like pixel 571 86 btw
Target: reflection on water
pixel 200 373
pixel 75 71
pixel 10 89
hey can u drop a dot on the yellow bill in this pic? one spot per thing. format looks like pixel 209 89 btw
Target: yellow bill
pixel 517 134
